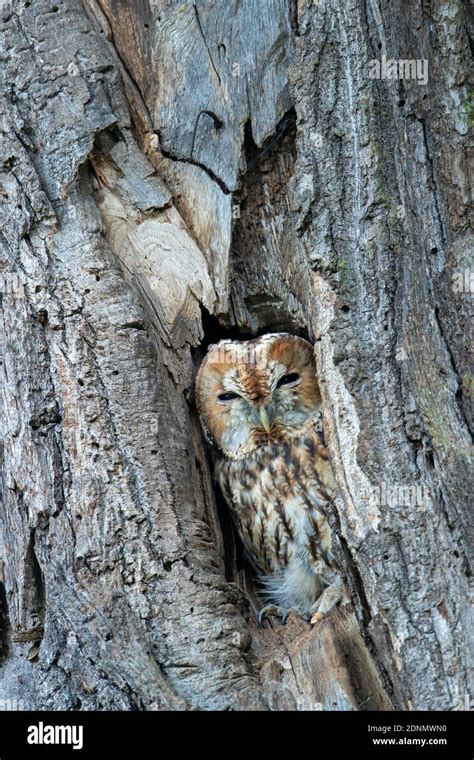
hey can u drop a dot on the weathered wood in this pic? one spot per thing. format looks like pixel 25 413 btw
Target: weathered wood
pixel 234 160
pixel 322 667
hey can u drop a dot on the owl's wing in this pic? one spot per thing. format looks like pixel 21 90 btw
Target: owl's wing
pixel 313 453
pixel 250 516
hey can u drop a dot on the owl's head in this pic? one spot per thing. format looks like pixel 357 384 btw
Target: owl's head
pixel 255 392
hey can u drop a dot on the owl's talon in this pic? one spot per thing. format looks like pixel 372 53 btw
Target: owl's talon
pixel 270 610
pixel 332 596
pixel 273 610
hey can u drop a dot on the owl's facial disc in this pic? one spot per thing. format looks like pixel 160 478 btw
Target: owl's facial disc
pixel 246 404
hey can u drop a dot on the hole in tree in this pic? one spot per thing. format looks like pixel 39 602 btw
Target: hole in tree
pixel 238 568
pixel 429 458
pixel 34 588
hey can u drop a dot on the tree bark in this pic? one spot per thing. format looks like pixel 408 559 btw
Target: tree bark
pixel 175 172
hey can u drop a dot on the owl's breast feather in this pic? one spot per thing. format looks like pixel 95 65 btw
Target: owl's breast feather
pixel 278 496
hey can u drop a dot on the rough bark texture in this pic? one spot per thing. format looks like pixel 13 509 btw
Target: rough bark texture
pixel 172 172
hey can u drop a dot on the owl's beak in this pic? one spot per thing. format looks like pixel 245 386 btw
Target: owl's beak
pixel 265 419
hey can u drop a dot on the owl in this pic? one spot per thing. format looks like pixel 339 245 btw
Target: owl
pixel 260 408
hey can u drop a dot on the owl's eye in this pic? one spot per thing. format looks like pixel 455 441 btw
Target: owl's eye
pixel 227 396
pixel 291 379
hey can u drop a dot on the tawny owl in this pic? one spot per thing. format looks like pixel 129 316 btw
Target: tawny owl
pixel 259 406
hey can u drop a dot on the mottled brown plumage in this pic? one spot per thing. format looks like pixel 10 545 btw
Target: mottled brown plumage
pixel 259 406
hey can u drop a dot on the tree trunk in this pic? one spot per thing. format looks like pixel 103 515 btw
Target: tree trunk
pixel 175 172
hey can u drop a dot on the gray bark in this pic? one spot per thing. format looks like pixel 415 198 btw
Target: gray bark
pixel 164 161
